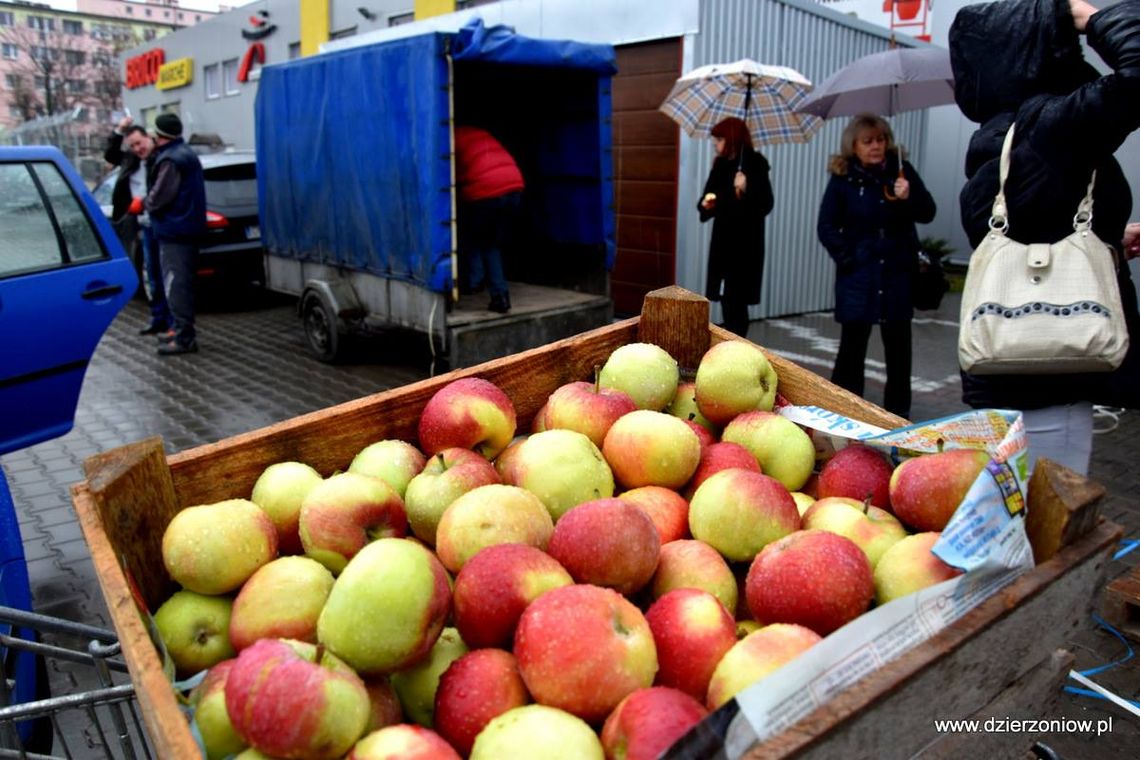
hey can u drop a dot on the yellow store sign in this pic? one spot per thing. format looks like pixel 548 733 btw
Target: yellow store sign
pixel 177 73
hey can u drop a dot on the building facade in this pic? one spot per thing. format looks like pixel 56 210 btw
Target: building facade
pixel 60 80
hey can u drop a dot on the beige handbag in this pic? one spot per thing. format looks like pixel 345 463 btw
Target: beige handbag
pixel 1041 308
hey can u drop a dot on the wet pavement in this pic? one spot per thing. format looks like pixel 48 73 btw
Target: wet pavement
pixel 253 370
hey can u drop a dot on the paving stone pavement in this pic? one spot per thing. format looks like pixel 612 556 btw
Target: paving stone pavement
pixel 253 370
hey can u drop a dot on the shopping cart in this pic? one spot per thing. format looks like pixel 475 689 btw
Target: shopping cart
pixel 100 721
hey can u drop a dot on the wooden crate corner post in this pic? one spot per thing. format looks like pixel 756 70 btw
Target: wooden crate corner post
pixel 1063 506
pixel 677 320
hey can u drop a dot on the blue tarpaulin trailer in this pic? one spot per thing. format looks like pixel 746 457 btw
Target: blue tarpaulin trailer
pixel 356 185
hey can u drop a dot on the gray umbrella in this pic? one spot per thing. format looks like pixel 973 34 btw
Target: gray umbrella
pixel 886 83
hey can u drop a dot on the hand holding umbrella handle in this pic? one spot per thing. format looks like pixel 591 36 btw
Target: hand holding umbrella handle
pixel 901 187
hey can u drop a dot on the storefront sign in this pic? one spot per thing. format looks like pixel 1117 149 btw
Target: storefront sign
pixel 143 69
pixel 177 73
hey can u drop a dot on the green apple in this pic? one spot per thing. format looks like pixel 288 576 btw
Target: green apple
pixel 739 512
pixel 214 548
pixel 416 686
pixel 647 448
pixel 281 600
pixel 279 490
pixel 387 607
pixel 910 565
pixel 537 731
pixel 734 377
pixel 563 468
pixel 803 501
pixel 643 371
pixel 195 630
pixel 684 407
pixel 208 701
pixel 393 461
pixel 404 742
pixel 872 529
pixel 444 478
pixel 487 516
pixel 757 656
pixel 782 448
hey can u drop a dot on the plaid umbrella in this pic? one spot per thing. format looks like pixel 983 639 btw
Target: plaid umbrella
pixel 764 97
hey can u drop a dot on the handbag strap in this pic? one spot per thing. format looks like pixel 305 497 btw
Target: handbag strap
pixel 999 218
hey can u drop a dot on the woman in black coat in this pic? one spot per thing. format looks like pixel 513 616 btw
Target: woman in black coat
pixel 737 196
pixel 866 223
pixel 1021 61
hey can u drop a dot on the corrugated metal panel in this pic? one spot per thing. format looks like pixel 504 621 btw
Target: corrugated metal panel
pixel 798 274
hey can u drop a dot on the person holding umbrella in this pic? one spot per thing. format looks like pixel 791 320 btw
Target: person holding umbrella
pixel 737 196
pixel 867 224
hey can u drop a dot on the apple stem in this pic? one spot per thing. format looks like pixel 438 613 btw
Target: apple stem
pixel 867 503
pixel 441 462
pixel 941 444
pixel 597 378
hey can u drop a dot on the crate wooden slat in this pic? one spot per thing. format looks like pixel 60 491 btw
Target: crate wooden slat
pixel 131 492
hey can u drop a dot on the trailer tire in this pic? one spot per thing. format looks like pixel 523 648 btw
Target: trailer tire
pixel 320 323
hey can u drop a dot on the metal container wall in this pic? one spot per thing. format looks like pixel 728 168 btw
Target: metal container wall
pixel 816 41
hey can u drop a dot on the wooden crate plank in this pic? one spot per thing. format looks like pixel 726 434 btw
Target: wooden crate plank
pixel 1062 505
pixel 959 670
pixel 1122 604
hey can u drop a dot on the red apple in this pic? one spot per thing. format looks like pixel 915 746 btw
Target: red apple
pixel 496 585
pixel 705 438
pixel 470 413
pixel 208 700
pixel 504 463
pixel 346 511
pixel 739 512
pixel 717 457
pixel 479 686
pixel 384 703
pixel 668 510
pixel 403 742
pixel 586 408
pixel 692 631
pixel 583 649
pixel 648 721
pixel 812 578
pixel 694 564
pixel 282 600
pixel 290 699
pixel 926 490
pixel 757 656
pixel 444 478
pixel 857 472
pixel 909 566
pixel 607 542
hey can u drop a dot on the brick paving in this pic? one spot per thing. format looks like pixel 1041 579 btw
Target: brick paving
pixel 253 371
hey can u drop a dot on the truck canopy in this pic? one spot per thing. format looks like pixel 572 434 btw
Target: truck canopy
pixel 354 151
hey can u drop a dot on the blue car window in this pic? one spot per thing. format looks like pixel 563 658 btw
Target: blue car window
pixel 27 236
pixel 78 234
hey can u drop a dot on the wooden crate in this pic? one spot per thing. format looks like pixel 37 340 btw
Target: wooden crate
pixel 1006 645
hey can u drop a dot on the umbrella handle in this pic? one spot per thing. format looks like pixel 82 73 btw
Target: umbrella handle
pixel 886 190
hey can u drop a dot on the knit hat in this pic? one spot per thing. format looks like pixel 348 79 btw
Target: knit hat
pixel 168 125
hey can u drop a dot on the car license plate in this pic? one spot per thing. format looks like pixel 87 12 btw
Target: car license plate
pixel 253 231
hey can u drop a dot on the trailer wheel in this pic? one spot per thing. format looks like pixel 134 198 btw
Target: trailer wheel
pixel 320 328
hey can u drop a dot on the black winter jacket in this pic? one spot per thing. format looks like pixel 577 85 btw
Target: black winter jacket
pixel 873 240
pixel 1021 60
pixel 736 251
pixel 128 163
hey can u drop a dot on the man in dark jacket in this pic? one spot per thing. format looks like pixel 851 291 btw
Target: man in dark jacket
pixel 1020 60
pixel 176 203
pixel 131 148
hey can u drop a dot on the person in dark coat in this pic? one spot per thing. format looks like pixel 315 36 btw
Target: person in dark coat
pixel 132 150
pixel 866 223
pixel 737 197
pixel 1021 60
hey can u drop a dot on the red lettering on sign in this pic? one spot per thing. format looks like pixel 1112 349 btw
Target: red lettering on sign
pixel 143 69
pixel 255 52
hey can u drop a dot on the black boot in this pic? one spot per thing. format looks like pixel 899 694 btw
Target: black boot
pixel 500 304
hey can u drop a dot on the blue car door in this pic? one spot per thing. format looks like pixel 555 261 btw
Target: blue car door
pixel 63 278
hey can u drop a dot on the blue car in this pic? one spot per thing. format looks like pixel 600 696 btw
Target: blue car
pixel 63 278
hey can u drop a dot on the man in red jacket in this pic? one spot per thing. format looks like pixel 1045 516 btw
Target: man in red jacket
pixel 490 188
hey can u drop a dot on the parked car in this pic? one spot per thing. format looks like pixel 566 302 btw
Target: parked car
pixel 231 255
pixel 63 278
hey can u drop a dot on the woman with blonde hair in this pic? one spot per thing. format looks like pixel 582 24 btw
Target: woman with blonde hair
pixel 867 224
pixel 737 197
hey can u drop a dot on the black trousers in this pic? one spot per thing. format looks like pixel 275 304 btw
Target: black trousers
pixel 848 372
pixel 735 312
